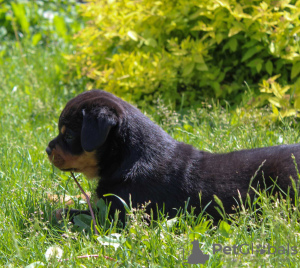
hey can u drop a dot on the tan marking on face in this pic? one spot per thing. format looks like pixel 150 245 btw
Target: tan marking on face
pixel 63 129
pixel 85 163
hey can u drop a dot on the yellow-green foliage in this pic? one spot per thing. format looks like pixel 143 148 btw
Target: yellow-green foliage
pixel 199 48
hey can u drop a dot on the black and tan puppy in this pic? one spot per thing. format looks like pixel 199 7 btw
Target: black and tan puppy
pixel 104 137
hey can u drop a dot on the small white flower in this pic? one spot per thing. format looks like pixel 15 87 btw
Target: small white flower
pixel 36 264
pixel 280 139
pixel 52 252
pixel 48 15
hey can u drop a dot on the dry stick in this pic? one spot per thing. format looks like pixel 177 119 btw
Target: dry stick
pixel 88 201
pixel 95 256
pixel 89 256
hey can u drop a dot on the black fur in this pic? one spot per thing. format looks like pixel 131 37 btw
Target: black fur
pixel 135 156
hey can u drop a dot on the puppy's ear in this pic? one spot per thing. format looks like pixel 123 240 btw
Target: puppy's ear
pixel 95 129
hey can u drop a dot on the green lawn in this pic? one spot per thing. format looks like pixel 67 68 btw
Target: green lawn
pixel 33 91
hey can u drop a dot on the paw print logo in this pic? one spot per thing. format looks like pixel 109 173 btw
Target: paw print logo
pixel 261 250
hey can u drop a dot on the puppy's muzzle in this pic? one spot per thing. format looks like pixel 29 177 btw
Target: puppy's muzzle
pixel 51 146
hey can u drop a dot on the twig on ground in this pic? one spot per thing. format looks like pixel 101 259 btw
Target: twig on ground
pixel 89 203
pixel 89 256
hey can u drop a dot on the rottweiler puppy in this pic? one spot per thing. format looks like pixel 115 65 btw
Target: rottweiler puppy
pixel 106 138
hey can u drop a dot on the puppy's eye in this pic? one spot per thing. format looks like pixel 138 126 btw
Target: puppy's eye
pixel 69 137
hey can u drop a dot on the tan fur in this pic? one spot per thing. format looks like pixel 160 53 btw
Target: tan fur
pixel 66 199
pixel 85 163
pixel 63 129
pixel 59 214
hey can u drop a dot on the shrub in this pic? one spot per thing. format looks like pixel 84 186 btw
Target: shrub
pixel 196 49
pixel 39 21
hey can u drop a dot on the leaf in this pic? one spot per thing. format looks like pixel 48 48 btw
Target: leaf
pixel 224 228
pixel 195 15
pixel 219 202
pixel 216 86
pixel 60 26
pixel 296 86
pixel 102 209
pixel 188 69
pixel 264 5
pixel 252 51
pixel 283 90
pixel 275 87
pixel 36 38
pixel 297 103
pixel 198 58
pixel 133 35
pixel 256 63
pixel 113 240
pixel 219 38
pixel 224 3
pixel 273 78
pixel 19 12
pixel 258 67
pixel 101 205
pixel 150 42
pixel 275 101
pixel 188 127
pixel 239 13
pixel 295 70
pixel 83 221
pixel 275 110
pixel 272 47
pixel 279 91
pixel 233 43
pixel 288 112
pixel 202 227
pixel 269 67
pixel 234 30
pixel 292 56
pixel 201 67
pixel 295 30
pixel 171 222
pixel 127 208
pixel 251 43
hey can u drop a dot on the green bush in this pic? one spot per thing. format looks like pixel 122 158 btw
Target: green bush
pixel 188 50
pixel 39 21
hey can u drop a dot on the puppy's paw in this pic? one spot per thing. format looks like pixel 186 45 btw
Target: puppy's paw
pixel 60 214
pixel 66 213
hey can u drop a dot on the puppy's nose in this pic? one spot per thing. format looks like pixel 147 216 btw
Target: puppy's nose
pixel 48 151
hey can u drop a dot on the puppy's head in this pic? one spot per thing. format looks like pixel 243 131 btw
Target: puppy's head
pixel 84 126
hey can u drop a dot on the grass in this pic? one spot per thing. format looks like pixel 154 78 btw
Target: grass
pixel 33 92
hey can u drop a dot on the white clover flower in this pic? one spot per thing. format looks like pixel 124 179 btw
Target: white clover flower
pixel 52 252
